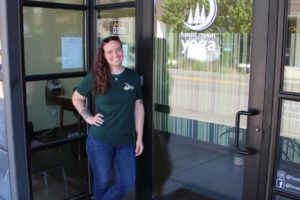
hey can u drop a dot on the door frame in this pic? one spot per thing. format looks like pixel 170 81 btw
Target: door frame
pixel 269 141
pixel 13 98
pixel 144 66
pixel 278 38
pixel 256 168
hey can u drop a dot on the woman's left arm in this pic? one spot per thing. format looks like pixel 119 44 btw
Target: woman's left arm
pixel 139 115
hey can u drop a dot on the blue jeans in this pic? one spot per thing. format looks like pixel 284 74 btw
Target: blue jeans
pixel 104 157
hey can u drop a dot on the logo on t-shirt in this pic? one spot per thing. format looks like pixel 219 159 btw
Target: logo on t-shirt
pixel 128 87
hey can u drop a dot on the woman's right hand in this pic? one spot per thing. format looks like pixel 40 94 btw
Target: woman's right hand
pixel 79 102
pixel 96 120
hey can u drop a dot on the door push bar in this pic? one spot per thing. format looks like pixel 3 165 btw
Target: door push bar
pixel 248 150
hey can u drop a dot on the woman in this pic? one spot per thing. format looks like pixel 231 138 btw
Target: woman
pixel 116 128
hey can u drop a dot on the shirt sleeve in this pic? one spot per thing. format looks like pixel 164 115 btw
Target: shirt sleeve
pixel 139 93
pixel 85 86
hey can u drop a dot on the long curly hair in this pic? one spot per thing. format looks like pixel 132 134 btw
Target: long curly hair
pixel 101 70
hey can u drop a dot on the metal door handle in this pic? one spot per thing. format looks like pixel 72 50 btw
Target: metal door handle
pixel 247 150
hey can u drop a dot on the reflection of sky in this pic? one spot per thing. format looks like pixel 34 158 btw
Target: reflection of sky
pixel 2 123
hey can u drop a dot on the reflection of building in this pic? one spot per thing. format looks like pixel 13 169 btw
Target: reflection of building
pixel 194 85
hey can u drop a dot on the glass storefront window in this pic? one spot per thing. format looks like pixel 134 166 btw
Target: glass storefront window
pixel 54 40
pixel 292 49
pixel 52 116
pixel 112 1
pixel 288 170
pixel 64 1
pixel 119 22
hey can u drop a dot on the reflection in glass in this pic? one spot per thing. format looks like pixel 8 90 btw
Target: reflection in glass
pixel 203 77
pixel 52 115
pixel 3 141
pixel 287 174
pixel 292 49
pixel 4 176
pixel 277 197
pixel 119 22
pixel 54 40
pixel 1 70
pixel 112 1
pixel 59 173
pixel 64 1
pixel 5 187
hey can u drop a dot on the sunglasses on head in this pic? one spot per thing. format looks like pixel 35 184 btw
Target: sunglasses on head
pixel 109 38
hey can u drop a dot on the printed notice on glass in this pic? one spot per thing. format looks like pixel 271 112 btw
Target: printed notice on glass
pixel 71 50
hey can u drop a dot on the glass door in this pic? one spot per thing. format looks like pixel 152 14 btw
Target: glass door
pixel 55 60
pixel 207 100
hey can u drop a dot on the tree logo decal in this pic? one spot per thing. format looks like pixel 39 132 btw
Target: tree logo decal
pixel 200 21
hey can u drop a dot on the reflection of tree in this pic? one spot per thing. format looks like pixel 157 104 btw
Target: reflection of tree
pixel 290 149
pixel 174 13
pixel 233 16
pixel 230 134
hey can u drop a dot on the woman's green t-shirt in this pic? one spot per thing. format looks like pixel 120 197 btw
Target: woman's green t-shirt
pixel 117 106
